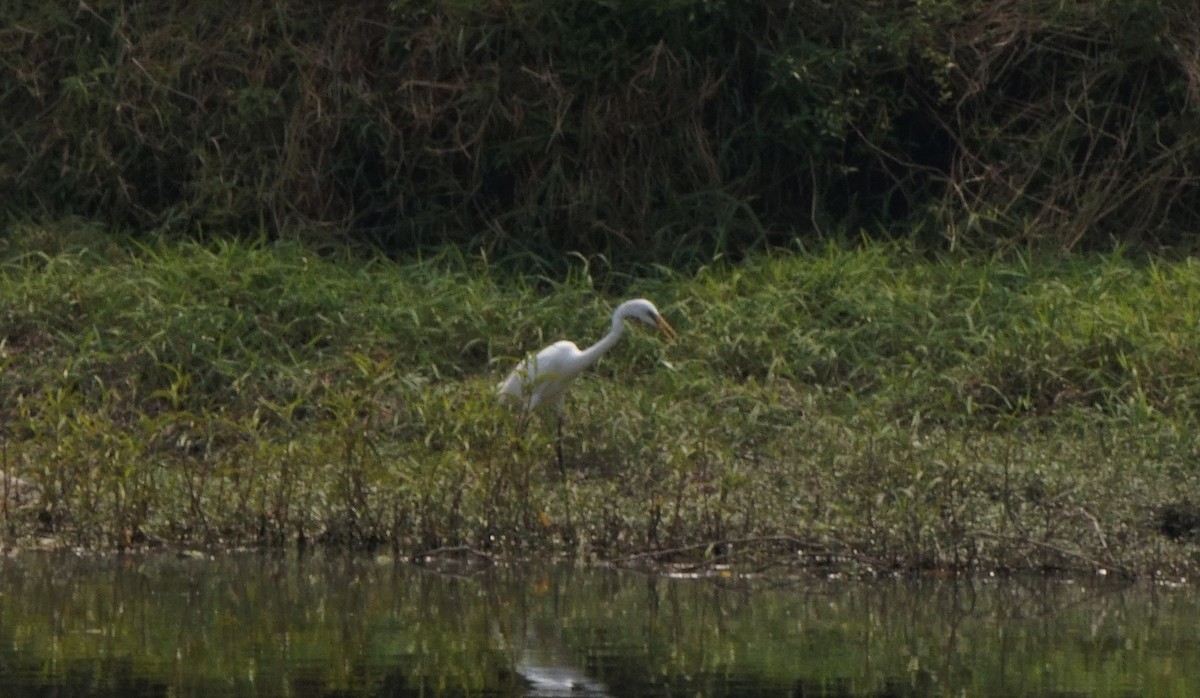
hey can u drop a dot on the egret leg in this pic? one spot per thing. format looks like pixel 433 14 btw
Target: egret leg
pixel 562 467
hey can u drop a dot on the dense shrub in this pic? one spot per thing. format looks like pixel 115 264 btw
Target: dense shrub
pixel 1075 121
pixel 665 131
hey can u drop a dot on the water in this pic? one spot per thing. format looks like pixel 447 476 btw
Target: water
pixel 263 625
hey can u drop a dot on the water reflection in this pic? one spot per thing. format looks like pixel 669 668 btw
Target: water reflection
pixel 262 625
pixel 546 664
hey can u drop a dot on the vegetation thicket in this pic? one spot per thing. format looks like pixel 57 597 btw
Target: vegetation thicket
pixel 666 131
pixel 872 408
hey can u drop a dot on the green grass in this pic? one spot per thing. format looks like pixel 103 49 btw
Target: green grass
pixel 869 408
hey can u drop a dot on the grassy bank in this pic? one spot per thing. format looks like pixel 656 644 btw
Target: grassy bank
pixel 867 407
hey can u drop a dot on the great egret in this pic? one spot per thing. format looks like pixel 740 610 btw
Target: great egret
pixel 542 379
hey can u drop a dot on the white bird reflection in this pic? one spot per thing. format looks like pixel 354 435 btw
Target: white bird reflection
pixel 542 659
pixel 548 674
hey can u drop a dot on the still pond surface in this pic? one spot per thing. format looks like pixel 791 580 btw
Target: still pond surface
pixel 262 625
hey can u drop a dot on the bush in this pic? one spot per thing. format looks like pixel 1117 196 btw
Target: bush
pixel 666 132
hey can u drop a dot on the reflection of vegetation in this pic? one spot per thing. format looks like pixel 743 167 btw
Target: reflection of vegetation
pixel 925 639
pixel 253 625
pixel 869 408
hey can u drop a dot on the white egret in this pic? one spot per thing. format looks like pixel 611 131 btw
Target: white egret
pixel 542 379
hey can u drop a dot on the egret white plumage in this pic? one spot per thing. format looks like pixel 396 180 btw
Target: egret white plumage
pixel 542 379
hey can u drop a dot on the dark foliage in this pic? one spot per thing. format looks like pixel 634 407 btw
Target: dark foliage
pixel 663 132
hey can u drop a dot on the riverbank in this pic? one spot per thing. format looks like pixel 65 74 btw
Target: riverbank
pixel 869 409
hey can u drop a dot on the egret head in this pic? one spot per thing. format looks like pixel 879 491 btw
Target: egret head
pixel 644 310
